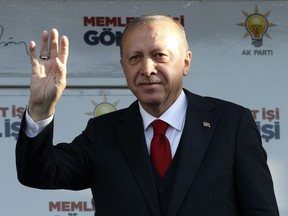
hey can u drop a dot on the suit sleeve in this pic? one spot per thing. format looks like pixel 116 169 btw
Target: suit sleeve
pixel 253 180
pixel 40 164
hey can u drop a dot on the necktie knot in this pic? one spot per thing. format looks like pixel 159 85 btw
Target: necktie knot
pixel 159 127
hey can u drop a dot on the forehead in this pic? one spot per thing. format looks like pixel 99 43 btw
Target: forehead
pixel 159 32
pixel 155 26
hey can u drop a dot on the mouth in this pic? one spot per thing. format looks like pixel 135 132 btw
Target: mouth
pixel 149 83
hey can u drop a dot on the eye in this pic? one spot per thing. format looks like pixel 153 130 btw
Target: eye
pixel 161 57
pixel 134 59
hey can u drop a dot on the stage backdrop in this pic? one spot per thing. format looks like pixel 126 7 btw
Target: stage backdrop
pixel 231 60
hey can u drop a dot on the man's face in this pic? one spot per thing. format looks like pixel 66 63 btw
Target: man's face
pixel 154 61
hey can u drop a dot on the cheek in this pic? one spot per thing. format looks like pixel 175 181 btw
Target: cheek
pixel 172 73
pixel 130 75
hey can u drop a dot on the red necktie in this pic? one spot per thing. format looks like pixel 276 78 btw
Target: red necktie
pixel 160 152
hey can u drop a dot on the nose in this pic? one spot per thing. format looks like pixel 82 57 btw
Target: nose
pixel 148 67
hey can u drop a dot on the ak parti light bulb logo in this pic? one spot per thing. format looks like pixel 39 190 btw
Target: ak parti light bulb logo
pixel 257 26
pixel 103 107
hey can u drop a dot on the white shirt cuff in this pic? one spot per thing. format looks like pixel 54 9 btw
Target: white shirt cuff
pixel 34 128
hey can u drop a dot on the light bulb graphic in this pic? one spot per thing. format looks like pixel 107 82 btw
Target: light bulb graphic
pixel 103 107
pixel 256 25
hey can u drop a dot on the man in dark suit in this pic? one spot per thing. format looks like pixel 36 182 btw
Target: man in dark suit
pixel 216 163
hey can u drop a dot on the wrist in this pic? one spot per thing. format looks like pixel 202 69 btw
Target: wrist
pixel 39 113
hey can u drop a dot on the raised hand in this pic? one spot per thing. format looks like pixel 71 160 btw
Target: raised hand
pixel 48 79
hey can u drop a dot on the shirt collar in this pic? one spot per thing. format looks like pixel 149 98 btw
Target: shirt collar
pixel 174 116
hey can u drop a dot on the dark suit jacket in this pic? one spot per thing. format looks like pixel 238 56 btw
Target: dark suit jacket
pixel 222 169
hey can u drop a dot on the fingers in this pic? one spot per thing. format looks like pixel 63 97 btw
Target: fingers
pixel 53 44
pixel 50 51
pixel 33 55
pixel 44 53
pixel 64 51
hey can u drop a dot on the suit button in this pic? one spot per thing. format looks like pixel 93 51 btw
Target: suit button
pixel 161 189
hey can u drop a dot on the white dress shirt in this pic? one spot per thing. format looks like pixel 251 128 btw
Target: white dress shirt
pixel 34 128
pixel 174 116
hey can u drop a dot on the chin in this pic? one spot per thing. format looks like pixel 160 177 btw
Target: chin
pixel 150 100
pixel 150 95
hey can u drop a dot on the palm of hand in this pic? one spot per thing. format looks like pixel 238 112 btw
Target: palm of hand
pixel 48 81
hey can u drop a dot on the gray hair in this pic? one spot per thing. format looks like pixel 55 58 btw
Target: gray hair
pixel 152 18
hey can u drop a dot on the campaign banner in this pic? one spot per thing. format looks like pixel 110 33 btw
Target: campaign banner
pixel 239 54
pixel 74 110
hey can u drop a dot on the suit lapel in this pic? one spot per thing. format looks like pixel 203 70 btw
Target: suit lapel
pixel 198 129
pixel 133 143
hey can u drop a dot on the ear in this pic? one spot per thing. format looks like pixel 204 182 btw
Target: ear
pixel 187 62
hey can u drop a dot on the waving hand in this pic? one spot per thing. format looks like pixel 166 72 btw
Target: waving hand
pixel 48 74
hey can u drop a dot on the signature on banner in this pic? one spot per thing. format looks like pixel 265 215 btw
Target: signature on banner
pixel 10 41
